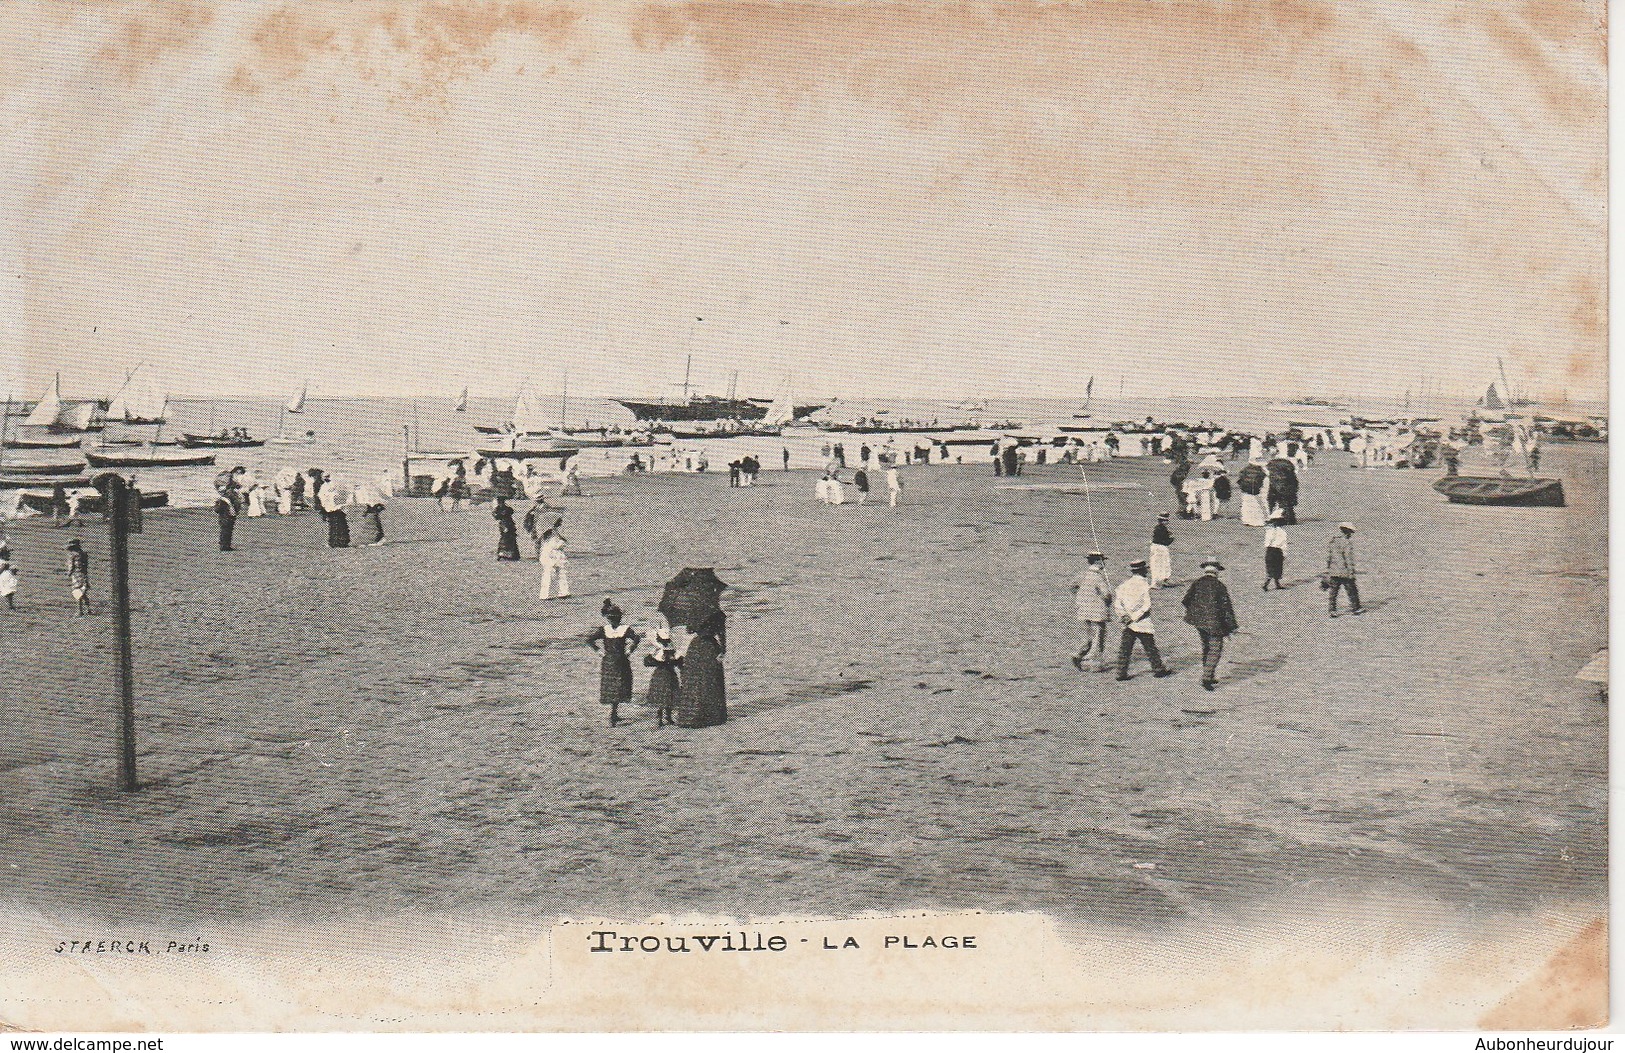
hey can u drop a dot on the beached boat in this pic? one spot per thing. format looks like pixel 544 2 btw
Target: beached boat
pixel 524 453
pixel 218 442
pixel 146 458
pixel 44 441
pixel 41 501
pixel 22 481
pixel 43 468
pixel 1494 490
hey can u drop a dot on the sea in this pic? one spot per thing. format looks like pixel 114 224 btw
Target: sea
pixel 365 440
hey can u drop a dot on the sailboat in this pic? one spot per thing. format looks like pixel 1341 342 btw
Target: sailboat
pixel 530 433
pixel 782 410
pixel 297 403
pixel 462 401
pixel 52 413
pixel 1492 398
pixel 1088 396
pixel 137 403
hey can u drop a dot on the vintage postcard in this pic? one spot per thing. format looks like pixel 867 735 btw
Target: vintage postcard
pixel 803 514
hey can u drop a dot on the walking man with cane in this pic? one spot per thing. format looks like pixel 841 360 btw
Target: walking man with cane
pixel 1207 607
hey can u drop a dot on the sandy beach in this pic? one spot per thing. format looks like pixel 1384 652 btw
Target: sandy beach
pixel 330 733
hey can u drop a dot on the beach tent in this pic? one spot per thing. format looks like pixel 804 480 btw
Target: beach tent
pixel 692 595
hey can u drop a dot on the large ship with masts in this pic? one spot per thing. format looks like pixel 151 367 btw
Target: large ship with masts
pixel 693 408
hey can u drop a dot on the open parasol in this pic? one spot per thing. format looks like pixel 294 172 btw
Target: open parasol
pixel 692 595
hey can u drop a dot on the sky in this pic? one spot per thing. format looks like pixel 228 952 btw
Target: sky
pixel 1277 197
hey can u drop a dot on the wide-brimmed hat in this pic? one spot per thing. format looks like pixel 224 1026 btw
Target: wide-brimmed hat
pixel 1346 526
pixel 1162 515
pixel 1214 563
pixel 1097 557
pixel 1139 565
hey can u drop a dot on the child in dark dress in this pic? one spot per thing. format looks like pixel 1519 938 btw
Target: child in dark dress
pixel 663 684
pixel 615 642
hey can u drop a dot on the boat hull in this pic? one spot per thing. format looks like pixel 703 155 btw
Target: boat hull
pixel 148 460
pixel 27 482
pixel 43 442
pixel 523 454
pixel 41 501
pixel 1510 493
pixel 55 468
pixel 708 409
pixel 211 442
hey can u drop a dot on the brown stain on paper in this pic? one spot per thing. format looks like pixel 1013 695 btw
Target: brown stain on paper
pixel 1571 990
pixel 439 42
pixel 1567 99
pixel 150 32
pixel 1108 99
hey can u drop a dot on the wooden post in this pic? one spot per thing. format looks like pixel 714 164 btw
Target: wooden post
pixel 118 496
pixel 406 461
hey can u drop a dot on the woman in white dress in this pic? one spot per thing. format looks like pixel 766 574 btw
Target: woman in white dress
pixel 285 479
pixel 1205 501
pixel 254 493
pixel 555 564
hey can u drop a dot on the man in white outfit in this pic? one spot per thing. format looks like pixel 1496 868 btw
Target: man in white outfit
pixel 894 485
pixel 1133 604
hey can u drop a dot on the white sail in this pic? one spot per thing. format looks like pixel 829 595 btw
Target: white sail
pixel 297 403
pixel 78 416
pixel 529 414
pixel 49 407
pixel 783 409
pixel 137 400
pixel 462 401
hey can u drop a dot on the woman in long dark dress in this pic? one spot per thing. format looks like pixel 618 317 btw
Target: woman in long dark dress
pixel 664 688
pixel 702 701
pixel 371 531
pixel 615 642
pixel 507 533
pixel 338 522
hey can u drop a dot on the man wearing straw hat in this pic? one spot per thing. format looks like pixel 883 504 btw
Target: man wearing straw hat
pixel 1133 603
pixel 1207 607
pixel 1094 611
pixel 1340 570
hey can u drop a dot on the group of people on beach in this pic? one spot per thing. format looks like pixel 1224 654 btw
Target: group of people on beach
pixel 548 541
pixel 1269 488
pixel 686 689
pixel 239 494
pixel 831 488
